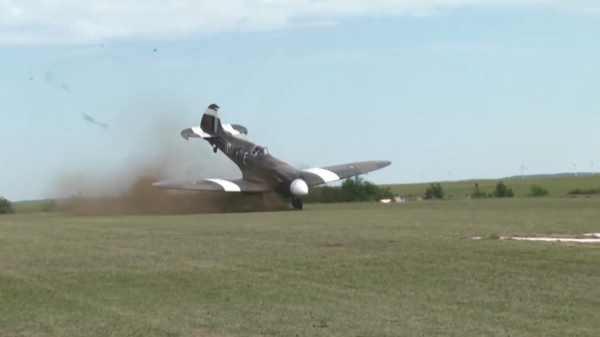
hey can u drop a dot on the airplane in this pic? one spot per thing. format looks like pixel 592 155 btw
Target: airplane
pixel 261 172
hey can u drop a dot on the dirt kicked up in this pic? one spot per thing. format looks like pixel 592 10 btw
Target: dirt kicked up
pixel 144 199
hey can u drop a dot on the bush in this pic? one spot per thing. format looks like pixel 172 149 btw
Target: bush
pixel 353 189
pixel 538 191
pixel 435 191
pixel 502 191
pixel 589 191
pixel 5 206
pixel 479 194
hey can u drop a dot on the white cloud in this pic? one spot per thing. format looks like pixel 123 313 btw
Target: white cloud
pixel 80 21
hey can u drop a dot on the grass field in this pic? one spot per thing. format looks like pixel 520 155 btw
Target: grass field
pixel 556 186
pixel 338 270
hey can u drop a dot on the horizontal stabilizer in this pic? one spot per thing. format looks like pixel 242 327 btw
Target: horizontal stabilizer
pixel 235 129
pixel 318 176
pixel 196 132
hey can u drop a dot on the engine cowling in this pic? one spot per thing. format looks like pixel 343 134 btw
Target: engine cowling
pixel 299 187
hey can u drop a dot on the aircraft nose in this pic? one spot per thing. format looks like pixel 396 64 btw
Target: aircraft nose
pixel 299 187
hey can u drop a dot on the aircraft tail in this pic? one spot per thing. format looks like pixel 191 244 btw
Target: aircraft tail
pixel 210 122
pixel 211 127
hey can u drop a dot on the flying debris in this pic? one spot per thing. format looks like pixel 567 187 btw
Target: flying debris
pixel 65 87
pixel 261 172
pixel 31 78
pixel 92 120
pixel 155 50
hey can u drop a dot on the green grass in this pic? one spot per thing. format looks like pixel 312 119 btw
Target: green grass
pixel 557 186
pixel 338 270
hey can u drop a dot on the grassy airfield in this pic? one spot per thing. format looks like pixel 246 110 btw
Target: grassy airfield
pixel 337 270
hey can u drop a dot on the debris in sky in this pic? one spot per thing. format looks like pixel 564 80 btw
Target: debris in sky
pixel 31 78
pixel 91 120
pixel 65 87
pixel 155 50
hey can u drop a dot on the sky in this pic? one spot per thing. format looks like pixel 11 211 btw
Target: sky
pixel 445 89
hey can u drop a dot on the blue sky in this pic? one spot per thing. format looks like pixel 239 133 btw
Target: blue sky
pixel 463 87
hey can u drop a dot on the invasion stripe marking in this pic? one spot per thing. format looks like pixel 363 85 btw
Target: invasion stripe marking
pixel 228 186
pixel 230 129
pixel 197 130
pixel 326 175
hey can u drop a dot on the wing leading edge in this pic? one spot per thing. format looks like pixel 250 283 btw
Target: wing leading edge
pixel 318 176
pixel 214 185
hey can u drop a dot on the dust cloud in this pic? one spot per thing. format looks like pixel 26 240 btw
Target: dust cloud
pixel 143 199
pixel 157 153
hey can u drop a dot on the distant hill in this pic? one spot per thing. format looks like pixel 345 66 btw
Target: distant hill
pixel 38 201
pixel 558 185
pixel 552 175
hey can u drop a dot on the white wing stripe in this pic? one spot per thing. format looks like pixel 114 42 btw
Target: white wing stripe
pixel 197 130
pixel 326 175
pixel 228 186
pixel 230 129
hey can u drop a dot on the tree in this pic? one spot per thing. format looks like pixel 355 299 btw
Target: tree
pixel 353 189
pixel 358 189
pixel 5 206
pixel 502 191
pixel 435 191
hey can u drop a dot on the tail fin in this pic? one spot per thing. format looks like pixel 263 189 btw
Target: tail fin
pixel 210 125
pixel 210 122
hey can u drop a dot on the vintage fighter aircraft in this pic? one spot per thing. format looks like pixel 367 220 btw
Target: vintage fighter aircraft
pixel 261 172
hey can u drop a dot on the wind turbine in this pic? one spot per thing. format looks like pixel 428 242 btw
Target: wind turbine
pixel 575 165
pixel 523 169
pixel 592 162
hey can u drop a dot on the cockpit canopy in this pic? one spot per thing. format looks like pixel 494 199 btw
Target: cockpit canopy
pixel 260 151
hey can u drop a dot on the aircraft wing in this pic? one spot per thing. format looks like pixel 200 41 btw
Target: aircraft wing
pixel 318 176
pixel 214 185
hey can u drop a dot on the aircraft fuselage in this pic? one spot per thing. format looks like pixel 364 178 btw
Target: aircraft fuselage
pixel 256 163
